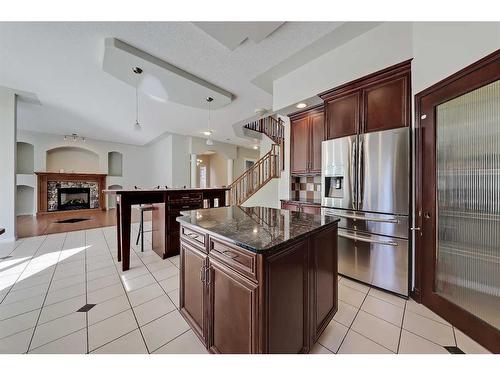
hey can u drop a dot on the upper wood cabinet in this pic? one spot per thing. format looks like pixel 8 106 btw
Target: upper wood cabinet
pixel 343 115
pixel 307 133
pixel 376 102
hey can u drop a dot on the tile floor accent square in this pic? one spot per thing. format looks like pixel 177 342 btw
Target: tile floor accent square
pixel 454 349
pixel 86 307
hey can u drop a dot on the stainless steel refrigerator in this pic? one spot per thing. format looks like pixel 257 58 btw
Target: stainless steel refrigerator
pixel 366 182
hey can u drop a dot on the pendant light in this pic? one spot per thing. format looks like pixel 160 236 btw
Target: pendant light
pixel 137 126
pixel 209 131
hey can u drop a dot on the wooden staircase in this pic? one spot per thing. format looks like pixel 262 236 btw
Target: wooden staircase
pixel 264 169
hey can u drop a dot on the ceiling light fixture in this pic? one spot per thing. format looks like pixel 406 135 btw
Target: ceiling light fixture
pixel 255 147
pixel 74 137
pixel 137 70
pixel 301 105
pixel 209 132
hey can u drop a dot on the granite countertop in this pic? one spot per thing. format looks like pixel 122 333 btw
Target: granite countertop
pixel 314 201
pixel 258 229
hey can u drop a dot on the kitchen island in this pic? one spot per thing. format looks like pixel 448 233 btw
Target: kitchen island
pixel 258 280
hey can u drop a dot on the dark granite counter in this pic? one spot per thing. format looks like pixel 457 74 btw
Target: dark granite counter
pixel 312 201
pixel 258 229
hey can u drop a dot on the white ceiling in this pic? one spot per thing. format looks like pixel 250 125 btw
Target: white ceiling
pixel 62 64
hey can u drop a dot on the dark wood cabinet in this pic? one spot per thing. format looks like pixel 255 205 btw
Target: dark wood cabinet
pixel 232 311
pixel 307 133
pixel 288 295
pixel 375 102
pixel 317 124
pixel 290 206
pixel 325 271
pixel 193 265
pixel 238 301
pixel 299 134
pixel 314 209
pixel 342 115
pixel 384 105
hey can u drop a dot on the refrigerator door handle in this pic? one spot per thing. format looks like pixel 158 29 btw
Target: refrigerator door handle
pixel 364 218
pixel 352 168
pixel 369 240
pixel 361 172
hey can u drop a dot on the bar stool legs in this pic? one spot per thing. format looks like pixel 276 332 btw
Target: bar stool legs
pixel 141 232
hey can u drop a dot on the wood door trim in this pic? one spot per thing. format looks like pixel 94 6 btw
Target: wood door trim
pixel 478 74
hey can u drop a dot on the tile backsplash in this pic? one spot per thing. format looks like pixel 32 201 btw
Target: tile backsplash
pixel 306 187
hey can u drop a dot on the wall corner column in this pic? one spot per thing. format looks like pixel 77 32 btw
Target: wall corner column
pixel 194 171
pixel 8 127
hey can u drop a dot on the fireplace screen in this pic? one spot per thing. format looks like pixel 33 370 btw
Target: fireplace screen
pixel 73 198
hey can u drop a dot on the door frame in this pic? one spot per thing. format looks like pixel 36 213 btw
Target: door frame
pixel 476 75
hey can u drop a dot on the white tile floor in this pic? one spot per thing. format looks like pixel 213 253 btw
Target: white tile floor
pixel 45 280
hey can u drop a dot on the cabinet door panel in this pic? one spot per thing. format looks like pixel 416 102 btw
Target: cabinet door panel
pixel 289 206
pixel 317 136
pixel 233 311
pixel 324 279
pixel 299 150
pixel 385 105
pixel 342 116
pixel 313 209
pixel 192 304
pixel 288 301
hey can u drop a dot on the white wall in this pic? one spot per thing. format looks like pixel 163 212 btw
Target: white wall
pixel 8 102
pixel 385 45
pixel 25 200
pixel 160 162
pixel 72 159
pixel 243 154
pixel 218 170
pixel 266 196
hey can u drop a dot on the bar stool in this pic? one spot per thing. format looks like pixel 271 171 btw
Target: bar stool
pixel 143 208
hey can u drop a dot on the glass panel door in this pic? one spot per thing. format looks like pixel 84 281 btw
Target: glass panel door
pixel 468 202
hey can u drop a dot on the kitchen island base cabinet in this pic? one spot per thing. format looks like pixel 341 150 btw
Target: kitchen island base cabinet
pixel 239 301
pixel 193 304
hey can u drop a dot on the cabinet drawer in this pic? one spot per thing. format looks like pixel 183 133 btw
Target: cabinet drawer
pixel 180 196
pixel 194 237
pixel 311 209
pixel 238 259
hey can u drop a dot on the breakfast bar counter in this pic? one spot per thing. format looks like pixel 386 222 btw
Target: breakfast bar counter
pixel 258 279
pixel 167 204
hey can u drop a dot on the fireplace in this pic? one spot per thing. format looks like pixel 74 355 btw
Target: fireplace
pixel 73 198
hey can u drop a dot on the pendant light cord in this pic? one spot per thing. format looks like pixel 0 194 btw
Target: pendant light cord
pixel 136 106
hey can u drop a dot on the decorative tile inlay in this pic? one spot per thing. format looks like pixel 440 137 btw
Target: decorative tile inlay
pixel 308 187
pixel 454 349
pixel 86 307
pixel 52 187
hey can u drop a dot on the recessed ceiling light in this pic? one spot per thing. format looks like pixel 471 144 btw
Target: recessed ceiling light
pixel 255 147
pixel 137 70
pixel 301 105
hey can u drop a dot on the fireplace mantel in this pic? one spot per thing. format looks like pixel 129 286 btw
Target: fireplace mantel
pixel 43 179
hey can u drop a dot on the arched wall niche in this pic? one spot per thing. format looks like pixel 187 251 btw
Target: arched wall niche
pixel 115 163
pixel 25 162
pixel 25 200
pixel 68 159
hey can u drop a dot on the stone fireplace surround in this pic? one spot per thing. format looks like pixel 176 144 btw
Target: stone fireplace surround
pixel 48 183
